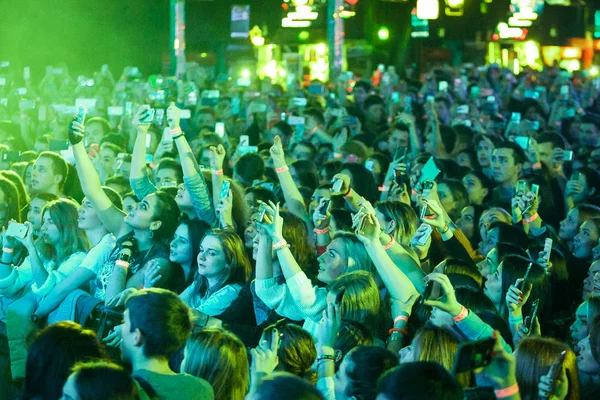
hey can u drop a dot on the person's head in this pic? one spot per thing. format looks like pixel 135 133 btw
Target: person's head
pixel 374 108
pixel 321 192
pixel 580 327
pixel 501 232
pixel 546 143
pixel 420 380
pixel 99 380
pixel 206 118
pixel 397 219
pixel 220 358
pixel 95 130
pixel 157 213
pixel 281 129
pixel 248 168
pixel 168 173
pixel 360 300
pixel 360 91
pixel 586 239
pixel 254 194
pixel 344 254
pixel 398 136
pixel 479 187
pixel 589 132
pixel 304 151
pixel 108 156
pixel 507 162
pixel 361 181
pixel 296 352
pixel 474 300
pixel 491 215
pixel 185 246
pixel 361 368
pixel 55 350
pixel 535 356
pixel 575 217
pixel 304 173
pixel 221 261
pixel 119 184
pixel 468 223
pixel 511 269
pixel 295 388
pixel 497 254
pixel 88 219
pixel 453 197
pixel 156 324
pixel 60 231
pixel 49 173
pixel 10 203
pixel 314 121
pixel 328 171
pixel 588 359
pixel 485 148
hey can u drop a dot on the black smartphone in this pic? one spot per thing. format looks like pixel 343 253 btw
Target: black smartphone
pixel 473 355
pixel 427 291
pixel 521 283
pixel 399 177
pixel 325 206
pixel 534 311
pixel 555 368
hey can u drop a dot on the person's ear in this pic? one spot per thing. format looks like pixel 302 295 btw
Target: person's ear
pixel 338 356
pixel 58 179
pixel 351 262
pixel 391 227
pixel 155 225
pixel 485 192
pixel 138 339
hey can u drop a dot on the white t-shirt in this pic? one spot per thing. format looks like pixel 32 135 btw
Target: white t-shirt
pixel 99 254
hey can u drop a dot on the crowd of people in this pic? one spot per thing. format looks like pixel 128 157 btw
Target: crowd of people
pixel 390 238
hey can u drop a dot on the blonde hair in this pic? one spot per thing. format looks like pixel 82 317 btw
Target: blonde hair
pixel 356 250
pixel 220 358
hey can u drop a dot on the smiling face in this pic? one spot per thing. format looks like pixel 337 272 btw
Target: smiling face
pixel 585 240
pixel 212 263
pixel 333 262
pixel 181 251
pixel 568 226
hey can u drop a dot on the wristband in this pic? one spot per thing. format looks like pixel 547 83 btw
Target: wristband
pixel 400 318
pixel 122 263
pixel 390 244
pixel 348 193
pixel 507 392
pixel 531 219
pixel 326 357
pixel 445 229
pixel 218 171
pixel 403 331
pixel 462 315
pixel 177 136
pixel 8 250
pixel 279 245
pixel 282 169
pixel 321 231
pixel 536 166
pixel 176 131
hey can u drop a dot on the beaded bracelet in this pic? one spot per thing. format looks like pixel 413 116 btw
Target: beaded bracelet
pixel 326 357
pixel 280 244
pixel 462 315
pixel 282 169
pixel 507 392
pixel 321 231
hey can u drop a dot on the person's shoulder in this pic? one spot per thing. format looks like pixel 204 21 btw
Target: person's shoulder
pixel 199 382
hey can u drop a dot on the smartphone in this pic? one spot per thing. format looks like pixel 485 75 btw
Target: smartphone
pixel 548 248
pixel 293 120
pixel 475 92
pixel 224 190
pixel 22 91
pixel 244 140
pixel 442 86
pixel 261 215
pixel 534 311
pixel 220 129
pixel 17 230
pixel 535 189
pixel 522 141
pixel 148 140
pixel 427 291
pixel 576 176
pixel 370 165
pixel 568 155
pixel 81 112
pixel 462 109
pixel 149 116
pixel 396 97
pixel 515 118
pixel 159 116
pixel 399 177
pixel 186 114
pixel 521 283
pixel 423 239
pixel 430 171
pixel 325 207
pixel 473 355
pixel 400 153
pixel 42 113
pixel 555 368
pixel 299 102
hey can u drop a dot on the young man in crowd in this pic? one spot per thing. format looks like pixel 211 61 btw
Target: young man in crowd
pixel 49 174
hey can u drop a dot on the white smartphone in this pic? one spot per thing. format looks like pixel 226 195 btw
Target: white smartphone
pixel 220 129
pixel 17 230
pixel 548 248
pixel 244 140
pixel 423 239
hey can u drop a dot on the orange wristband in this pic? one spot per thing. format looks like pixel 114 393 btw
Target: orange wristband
pixel 462 315
pixel 218 171
pixel 321 231
pixel 390 244
pixel 531 219
pixel 282 169
pixel 507 392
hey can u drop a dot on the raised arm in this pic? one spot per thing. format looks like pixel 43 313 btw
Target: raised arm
pixel 112 218
pixel 293 198
pixel 138 177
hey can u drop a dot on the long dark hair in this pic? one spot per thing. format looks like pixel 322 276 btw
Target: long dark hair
pixel 53 353
pixel 236 259
pixel 13 201
pixel 196 230
pixel 103 380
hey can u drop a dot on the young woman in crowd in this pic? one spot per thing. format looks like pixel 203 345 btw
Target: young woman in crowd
pixel 99 380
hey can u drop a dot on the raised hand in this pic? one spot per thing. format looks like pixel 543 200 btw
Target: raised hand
pixel 447 302
pixel 330 325
pixel 265 359
pixel 217 157
pixel 277 153
pixel 173 116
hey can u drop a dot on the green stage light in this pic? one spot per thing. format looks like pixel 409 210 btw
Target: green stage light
pixel 383 33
